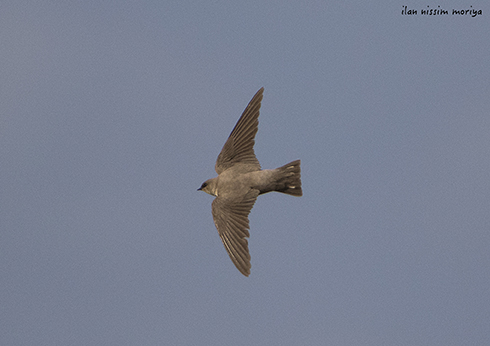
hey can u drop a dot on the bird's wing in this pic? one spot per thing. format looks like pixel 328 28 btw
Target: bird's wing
pixel 239 148
pixel 231 220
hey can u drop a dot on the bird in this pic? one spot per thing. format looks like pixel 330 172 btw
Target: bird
pixel 241 180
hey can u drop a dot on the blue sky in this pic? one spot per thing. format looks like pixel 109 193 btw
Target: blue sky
pixel 113 114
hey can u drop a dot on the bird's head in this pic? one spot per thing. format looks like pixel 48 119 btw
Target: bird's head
pixel 210 187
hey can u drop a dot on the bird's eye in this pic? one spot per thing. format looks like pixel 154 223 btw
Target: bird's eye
pixel 204 185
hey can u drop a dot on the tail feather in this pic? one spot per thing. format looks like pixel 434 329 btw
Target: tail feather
pixel 289 179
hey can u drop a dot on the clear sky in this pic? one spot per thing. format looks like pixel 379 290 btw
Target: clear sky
pixel 112 114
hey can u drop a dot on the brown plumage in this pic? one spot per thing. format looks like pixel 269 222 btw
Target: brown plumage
pixel 240 181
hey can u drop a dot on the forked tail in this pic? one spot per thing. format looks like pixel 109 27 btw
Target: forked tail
pixel 289 179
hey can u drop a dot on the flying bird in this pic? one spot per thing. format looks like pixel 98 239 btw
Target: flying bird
pixel 240 181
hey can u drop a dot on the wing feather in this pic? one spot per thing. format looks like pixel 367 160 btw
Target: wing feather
pixel 239 146
pixel 231 220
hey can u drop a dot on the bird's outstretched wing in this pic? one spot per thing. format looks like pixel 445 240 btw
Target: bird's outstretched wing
pixel 231 220
pixel 239 148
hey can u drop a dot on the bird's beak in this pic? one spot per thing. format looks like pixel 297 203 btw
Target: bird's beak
pixel 199 189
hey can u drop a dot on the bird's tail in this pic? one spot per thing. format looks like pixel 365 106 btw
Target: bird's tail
pixel 289 179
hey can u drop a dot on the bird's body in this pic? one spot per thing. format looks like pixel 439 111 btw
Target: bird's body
pixel 233 182
pixel 240 181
